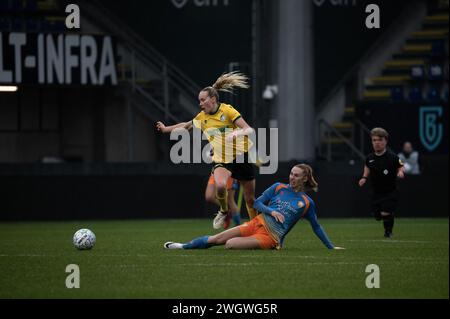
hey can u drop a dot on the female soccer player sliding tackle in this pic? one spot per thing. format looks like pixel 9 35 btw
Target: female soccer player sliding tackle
pixel 281 207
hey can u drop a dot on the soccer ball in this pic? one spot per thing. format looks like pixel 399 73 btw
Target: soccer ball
pixel 84 239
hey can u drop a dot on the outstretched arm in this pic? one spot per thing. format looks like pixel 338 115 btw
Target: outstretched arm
pixel 167 129
pixel 318 230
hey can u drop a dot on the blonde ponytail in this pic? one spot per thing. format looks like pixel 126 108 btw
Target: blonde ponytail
pixel 226 83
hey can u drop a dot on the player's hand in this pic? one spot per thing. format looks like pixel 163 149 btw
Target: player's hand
pixel 278 216
pixel 361 182
pixel 401 174
pixel 338 248
pixel 161 127
pixel 230 137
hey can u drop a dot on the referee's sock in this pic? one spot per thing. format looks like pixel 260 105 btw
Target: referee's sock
pixel 389 224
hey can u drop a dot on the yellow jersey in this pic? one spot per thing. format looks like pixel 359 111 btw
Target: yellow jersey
pixel 216 127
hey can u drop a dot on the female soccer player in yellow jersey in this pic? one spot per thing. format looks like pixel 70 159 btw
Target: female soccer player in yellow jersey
pixel 227 132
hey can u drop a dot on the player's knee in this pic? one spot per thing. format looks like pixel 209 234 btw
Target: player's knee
pixel 210 197
pixel 221 187
pixel 231 243
pixel 217 239
pixel 250 202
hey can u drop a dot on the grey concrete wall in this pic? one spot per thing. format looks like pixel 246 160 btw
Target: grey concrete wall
pixel 295 101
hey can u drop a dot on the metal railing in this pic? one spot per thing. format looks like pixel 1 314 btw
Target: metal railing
pixel 155 102
pixel 329 128
pixel 363 133
pixel 139 49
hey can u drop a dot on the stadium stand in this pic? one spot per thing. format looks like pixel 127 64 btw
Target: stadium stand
pixel 418 68
pixel 416 73
pixel 32 16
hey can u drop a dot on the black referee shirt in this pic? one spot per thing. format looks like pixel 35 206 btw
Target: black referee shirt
pixel 383 171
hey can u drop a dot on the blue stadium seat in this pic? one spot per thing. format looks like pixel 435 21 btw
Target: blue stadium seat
pixel 5 5
pixel 17 24
pixel 397 94
pixel 415 94
pixel 60 26
pixel 435 72
pixel 5 24
pixel 45 26
pixel 57 26
pixel 417 72
pixel 438 49
pixel 32 25
pixel 16 5
pixel 31 5
pixel 433 94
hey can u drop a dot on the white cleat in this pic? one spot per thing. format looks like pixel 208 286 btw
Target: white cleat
pixel 219 220
pixel 172 245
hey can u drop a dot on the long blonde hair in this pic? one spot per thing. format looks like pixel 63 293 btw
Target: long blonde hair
pixel 310 181
pixel 226 83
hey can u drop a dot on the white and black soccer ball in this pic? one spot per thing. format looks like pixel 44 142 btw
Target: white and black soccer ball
pixel 84 239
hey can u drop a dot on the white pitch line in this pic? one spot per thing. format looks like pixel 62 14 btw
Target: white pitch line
pixel 27 255
pixel 268 264
pixel 405 258
pixel 292 263
pixel 393 241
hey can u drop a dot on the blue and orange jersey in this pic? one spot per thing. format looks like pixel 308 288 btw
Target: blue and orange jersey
pixel 294 206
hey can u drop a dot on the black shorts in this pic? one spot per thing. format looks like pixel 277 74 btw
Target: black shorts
pixel 239 171
pixel 384 203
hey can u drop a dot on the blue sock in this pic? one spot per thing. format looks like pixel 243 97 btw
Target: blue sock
pixel 198 243
pixel 236 219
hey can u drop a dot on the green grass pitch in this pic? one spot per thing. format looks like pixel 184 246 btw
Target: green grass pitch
pixel 129 261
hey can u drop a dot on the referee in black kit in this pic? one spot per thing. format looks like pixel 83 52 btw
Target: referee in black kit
pixel 383 167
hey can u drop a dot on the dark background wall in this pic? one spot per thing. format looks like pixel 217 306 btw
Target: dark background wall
pixel 89 191
pixel 200 39
pixel 407 124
